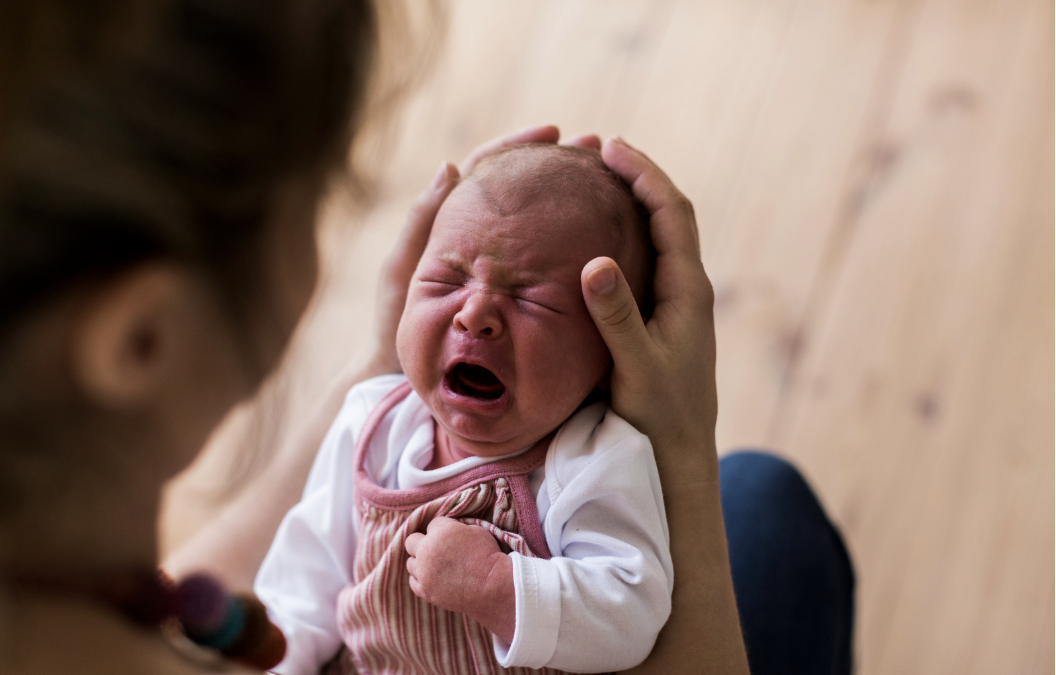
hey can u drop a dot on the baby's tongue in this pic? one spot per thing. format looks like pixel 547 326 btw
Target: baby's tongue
pixel 477 381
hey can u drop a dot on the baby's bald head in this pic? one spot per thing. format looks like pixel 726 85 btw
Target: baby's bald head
pixel 561 179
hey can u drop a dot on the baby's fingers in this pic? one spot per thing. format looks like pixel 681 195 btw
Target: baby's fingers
pixel 413 543
pixel 417 588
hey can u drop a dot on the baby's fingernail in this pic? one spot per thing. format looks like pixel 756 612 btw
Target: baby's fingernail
pixel 619 139
pixel 602 280
pixel 440 180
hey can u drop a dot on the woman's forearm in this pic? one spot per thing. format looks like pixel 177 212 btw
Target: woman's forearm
pixel 703 634
pixel 663 382
pixel 233 545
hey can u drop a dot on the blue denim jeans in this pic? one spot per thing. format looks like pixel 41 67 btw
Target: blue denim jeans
pixel 791 572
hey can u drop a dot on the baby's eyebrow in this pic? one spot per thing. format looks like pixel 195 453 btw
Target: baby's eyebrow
pixel 528 279
pixel 510 278
pixel 451 260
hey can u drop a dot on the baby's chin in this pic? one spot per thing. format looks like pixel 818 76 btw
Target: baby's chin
pixel 479 441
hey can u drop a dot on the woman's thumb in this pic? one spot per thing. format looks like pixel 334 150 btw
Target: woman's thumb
pixel 611 304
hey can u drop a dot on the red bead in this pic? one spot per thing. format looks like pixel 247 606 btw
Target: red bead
pixel 255 627
pixel 269 654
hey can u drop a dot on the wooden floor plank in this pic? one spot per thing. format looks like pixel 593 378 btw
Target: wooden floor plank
pixel 703 102
pixel 770 238
pixel 580 65
pixel 925 413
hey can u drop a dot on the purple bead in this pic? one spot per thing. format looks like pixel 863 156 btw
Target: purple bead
pixel 203 605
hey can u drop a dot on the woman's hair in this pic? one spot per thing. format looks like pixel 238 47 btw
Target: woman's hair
pixel 138 130
pixel 143 129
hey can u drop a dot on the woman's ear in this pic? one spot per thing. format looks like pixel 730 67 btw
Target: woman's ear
pixel 126 344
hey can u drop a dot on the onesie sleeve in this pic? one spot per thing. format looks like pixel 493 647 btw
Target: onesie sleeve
pixel 310 560
pixel 599 603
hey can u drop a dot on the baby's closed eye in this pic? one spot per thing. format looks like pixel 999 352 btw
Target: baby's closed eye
pixel 439 282
pixel 442 276
pixel 542 298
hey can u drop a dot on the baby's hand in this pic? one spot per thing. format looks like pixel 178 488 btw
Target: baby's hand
pixel 459 567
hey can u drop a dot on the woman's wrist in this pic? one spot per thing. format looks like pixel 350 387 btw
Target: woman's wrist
pixel 685 457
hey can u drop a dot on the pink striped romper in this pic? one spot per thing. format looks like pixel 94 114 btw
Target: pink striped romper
pixel 387 629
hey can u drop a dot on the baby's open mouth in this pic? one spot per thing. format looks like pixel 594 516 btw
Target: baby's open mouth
pixel 475 381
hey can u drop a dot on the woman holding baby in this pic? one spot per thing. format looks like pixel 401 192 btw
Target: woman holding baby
pixel 160 169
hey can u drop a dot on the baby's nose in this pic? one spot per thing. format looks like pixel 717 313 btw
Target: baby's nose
pixel 479 317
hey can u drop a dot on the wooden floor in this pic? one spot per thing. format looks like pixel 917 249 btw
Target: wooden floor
pixel 874 185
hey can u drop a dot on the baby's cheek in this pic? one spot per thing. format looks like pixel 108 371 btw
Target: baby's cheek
pixel 589 346
pixel 413 339
pixel 574 364
pixel 404 342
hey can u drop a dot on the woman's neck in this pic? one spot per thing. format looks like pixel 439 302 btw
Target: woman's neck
pixel 42 633
pixel 89 527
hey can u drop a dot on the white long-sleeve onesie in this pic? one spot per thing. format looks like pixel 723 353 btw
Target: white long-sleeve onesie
pixel 596 606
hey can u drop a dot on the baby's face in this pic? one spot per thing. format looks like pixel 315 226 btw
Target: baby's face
pixel 495 336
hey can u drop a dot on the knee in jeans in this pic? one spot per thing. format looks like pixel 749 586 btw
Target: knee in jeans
pixel 759 478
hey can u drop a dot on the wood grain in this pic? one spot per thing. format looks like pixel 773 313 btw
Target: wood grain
pixel 874 184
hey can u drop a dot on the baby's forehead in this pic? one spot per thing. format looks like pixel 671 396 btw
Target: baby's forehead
pixel 555 223
pixel 552 182
pixel 536 235
pixel 563 187
pixel 519 176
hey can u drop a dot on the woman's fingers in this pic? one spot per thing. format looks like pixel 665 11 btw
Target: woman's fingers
pixel 547 134
pixel 611 304
pixel 403 260
pixel 419 222
pixel 663 378
pixel 673 224
pixel 586 141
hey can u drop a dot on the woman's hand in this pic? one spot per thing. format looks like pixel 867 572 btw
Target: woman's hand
pixel 663 379
pixel 400 265
pixel 663 382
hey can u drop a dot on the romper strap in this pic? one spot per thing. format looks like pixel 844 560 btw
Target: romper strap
pixel 368 491
pixel 514 469
pixel 387 403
